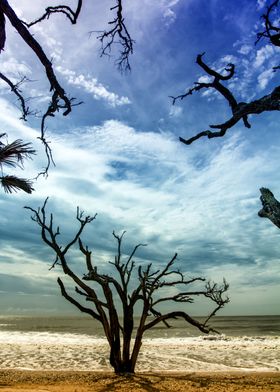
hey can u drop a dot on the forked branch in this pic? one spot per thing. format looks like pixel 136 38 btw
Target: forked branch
pixel 240 110
pixel 272 29
pixel 117 34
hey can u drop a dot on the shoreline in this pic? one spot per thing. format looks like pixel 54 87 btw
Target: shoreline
pixel 12 380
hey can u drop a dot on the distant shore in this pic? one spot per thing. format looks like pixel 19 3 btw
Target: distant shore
pixel 68 381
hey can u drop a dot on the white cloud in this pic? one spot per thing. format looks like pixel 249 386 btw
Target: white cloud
pixel 145 13
pixel 169 15
pixel 245 49
pixel 13 67
pixel 264 78
pixel 261 4
pixel 263 54
pixel 92 86
pixel 175 111
pixel 228 58
pixel 205 79
pixel 153 172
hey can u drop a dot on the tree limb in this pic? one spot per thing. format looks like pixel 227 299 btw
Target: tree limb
pixel 120 35
pixel 2 31
pixel 76 303
pixel 271 31
pixel 37 49
pixel 64 9
pixel 59 99
pixel 240 110
pixel 173 315
pixel 15 89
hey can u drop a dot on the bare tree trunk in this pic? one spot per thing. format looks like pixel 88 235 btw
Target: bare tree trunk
pixel 127 334
pixel 271 207
pixel 139 336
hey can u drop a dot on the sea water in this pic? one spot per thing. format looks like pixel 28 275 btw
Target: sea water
pixel 78 343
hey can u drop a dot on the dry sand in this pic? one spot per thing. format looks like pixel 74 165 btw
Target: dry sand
pixel 66 381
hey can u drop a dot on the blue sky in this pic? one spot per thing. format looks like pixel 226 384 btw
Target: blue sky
pixel 118 154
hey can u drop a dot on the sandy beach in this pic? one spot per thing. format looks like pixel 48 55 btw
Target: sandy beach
pixel 60 355
pixel 66 381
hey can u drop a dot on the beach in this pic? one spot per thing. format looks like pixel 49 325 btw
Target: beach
pixel 78 344
pixel 71 355
pixel 66 381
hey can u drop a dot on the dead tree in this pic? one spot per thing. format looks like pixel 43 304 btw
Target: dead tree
pixel 239 110
pixel 59 101
pixel 143 288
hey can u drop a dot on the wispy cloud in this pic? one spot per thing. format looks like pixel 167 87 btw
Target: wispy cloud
pixel 263 55
pixel 175 111
pixel 92 86
pixel 148 184
pixel 13 67
pixel 200 201
pixel 169 14
pixel 261 4
pixel 264 78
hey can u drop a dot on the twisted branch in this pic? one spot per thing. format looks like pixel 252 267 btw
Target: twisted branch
pixel 240 110
pixel 271 31
pixel 63 9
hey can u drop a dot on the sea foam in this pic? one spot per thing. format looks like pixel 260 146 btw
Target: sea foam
pixel 68 351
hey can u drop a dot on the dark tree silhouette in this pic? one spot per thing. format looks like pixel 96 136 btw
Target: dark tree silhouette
pixel 113 299
pixel 60 101
pixel 12 155
pixel 240 110
pixel 271 24
pixel 120 35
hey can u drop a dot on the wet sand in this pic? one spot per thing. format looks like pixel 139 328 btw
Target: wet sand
pixel 67 381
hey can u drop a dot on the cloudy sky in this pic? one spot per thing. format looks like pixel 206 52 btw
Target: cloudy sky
pixel 118 153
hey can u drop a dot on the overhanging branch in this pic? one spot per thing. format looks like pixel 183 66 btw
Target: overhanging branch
pixel 62 9
pixel 174 315
pixel 118 34
pixel 240 110
pixel 271 31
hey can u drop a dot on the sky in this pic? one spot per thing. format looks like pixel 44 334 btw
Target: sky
pixel 118 153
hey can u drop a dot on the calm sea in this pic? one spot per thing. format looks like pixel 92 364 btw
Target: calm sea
pixel 77 343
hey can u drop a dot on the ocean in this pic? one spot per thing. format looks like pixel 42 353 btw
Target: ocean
pixel 78 343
